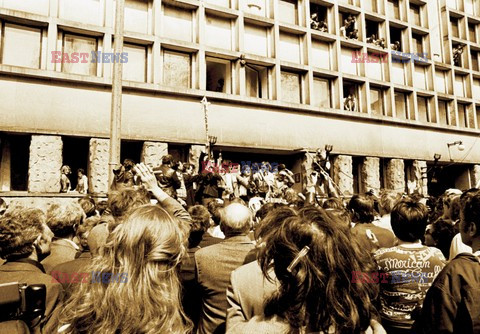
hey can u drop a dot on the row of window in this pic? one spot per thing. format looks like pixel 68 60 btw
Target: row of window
pixel 463 28
pixel 471 7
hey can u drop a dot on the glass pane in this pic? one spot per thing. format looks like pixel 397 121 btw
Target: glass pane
pixel 440 82
pixel 255 40
pixel 218 32
pixel 176 69
pixel 288 11
pixel 290 48
pixel 474 56
pixel 252 82
pixel 415 14
pixel 471 33
pixel 420 79
pixel 398 73
pixel 80 44
pixel 454 25
pixel 218 75
pixel 459 88
pixel 136 66
pixel 290 83
pixel 462 119
pixel 401 105
pixel 177 24
pixel 321 55
pixel 422 109
pixel 442 112
pixel 393 10
pixel 21 46
pixel 348 66
pixel 376 101
pixel 321 93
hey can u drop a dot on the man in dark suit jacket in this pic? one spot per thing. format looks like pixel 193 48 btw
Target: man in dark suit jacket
pixel 24 240
pixel 215 263
pixel 63 220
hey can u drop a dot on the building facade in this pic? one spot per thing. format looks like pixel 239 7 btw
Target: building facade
pixel 278 82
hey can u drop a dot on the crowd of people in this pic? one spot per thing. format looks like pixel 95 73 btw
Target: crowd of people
pixel 174 251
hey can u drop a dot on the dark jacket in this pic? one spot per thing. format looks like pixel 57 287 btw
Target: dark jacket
pixel 61 251
pixel 32 272
pixel 452 304
pixel 65 272
pixel 167 180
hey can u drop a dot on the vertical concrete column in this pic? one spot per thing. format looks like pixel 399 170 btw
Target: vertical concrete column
pixel 475 176
pixel 45 163
pixel 395 175
pixel 306 170
pixel 371 174
pixel 194 155
pixel 152 153
pixel 420 177
pixel 98 165
pixel 343 174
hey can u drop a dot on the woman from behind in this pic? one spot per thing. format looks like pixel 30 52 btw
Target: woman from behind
pixel 134 286
pixel 313 257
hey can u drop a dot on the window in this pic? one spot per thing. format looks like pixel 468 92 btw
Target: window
pixel 21 46
pixel 417 42
pixel 218 32
pixel 476 89
pixel 398 73
pixel 224 3
pixel 474 57
pixel 396 39
pixel 136 67
pixel 14 160
pixel 452 116
pixel 80 44
pixel 177 67
pixel 478 117
pixel 469 7
pixel 289 48
pixel 136 16
pixel 288 11
pixel 441 81
pixel 177 24
pixel 350 96
pixel 393 9
pixel 401 105
pixel 130 149
pixel 85 11
pixel 459 85
pixel 218 75
pixel 290 85
pixel 376 101
pixel 321 54
pixel 471 117
pixel 415 14
pixel 462 117
pixel 348 66
pixel 454 25
pixel 318 17
pixel 75 155
pixel 256 40
pixel 375 66
pixel 422 105
pixel 372 31
pixel 370 5
pixel 472 32
pixel 443 112
pixel 321 93
pixel 420 80
pixel 256 79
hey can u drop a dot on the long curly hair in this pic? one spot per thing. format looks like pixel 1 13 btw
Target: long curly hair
pixel 317 294
pixel 146 250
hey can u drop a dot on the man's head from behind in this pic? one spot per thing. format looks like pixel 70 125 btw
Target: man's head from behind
pixel 200 223
pixel 120 203
pixel 63 219
pixel 236 219
pixel 22 232
pixel 409 220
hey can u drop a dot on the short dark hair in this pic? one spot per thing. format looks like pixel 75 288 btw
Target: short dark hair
pixel 167 159
pixel 19 228
pixel 470 212
pixel 362 209
pixel 333 203
pixel 200 218
pixel 88 205
pixel 409 219
pixel 81 170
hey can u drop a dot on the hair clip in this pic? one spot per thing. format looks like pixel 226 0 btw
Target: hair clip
pixel 295 261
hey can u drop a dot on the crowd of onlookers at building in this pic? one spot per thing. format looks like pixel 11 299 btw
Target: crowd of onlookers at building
pixel 253 258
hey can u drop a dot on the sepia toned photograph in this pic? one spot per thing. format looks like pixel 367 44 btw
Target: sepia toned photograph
pixel 239 166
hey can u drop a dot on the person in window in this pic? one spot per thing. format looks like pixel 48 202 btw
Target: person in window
pixel 350 102
pixel 82 182
pixel 65 184
pixel 167 176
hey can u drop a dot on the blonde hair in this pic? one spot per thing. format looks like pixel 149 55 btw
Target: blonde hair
pixel 146 249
